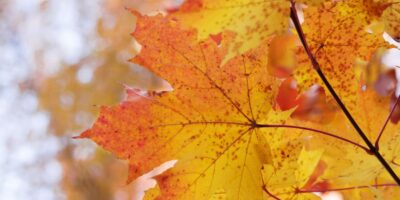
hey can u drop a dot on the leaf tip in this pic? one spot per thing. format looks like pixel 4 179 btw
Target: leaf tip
pixel 83 135
pixel 133 12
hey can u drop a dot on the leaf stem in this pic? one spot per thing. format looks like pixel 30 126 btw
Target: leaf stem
pixel 386 122
pixel 264 188
pixel 346 188
pixel 270 194
pixel 316 66
pixel 313 130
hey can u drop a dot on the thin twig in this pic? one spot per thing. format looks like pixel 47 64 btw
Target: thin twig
pixel 346 188
pixel 316 66
pixel 264 188
pixel 386 122
pixel 313 130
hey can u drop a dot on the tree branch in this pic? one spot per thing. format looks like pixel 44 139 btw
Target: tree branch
pixel 316 66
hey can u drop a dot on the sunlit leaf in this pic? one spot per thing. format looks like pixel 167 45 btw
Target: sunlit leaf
pixel 210 122
pixel 237 130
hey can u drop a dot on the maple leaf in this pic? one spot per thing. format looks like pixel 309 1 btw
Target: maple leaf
pixel 391 18
pixel 217 122
pixel 298 174
pixel 204 122
pixel 388 13
pixel 252 21
pixel 354 168
pixel 337 36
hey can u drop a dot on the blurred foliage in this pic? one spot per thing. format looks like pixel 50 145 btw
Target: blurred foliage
pixel 71 96
pixel 99 177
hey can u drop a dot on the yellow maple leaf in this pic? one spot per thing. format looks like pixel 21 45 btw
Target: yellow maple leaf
pixel 217 122
pixel 386 12
pixel 253 21
pixel 337 36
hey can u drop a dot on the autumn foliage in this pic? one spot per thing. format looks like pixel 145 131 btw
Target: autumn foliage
pixel 246 114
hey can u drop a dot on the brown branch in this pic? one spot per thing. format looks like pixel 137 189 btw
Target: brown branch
pixel 316 66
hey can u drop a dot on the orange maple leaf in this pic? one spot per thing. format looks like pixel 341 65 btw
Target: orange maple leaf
pixel 218 120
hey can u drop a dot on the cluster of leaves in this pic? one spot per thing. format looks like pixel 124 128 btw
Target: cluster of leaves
pixel 248 117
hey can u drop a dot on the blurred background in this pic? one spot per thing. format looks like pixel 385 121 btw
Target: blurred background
pixel 60 60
